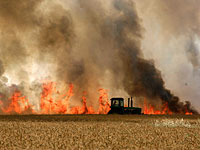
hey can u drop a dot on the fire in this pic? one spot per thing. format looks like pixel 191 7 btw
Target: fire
pixel 149 109
pixel 84 109
pixel 19 104
pixel 51 105
pixel 54 102
pixel 104 105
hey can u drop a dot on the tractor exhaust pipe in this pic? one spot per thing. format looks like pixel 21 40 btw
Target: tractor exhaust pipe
pixel 131 102
pixel 128 102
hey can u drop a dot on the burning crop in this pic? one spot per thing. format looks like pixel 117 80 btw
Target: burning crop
pixel 149 109
pixel 54 102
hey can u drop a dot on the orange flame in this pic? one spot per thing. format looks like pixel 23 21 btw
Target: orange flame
pixel 52 102
pixel 84 109
pixel 19 104
pixel 104 105
pixel 149 109
pixel 187 112
pixel 52 105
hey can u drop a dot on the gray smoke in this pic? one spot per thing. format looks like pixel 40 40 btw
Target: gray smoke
pixel 193 55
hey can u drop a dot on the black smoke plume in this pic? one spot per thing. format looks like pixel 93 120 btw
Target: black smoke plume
pixel 141 76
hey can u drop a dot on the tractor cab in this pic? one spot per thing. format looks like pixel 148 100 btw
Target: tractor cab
pixel 117 102
pixel 117 106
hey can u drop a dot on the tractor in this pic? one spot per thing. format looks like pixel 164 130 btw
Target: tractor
pixel 117 107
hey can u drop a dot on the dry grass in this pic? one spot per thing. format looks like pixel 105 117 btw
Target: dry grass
pixel 99 132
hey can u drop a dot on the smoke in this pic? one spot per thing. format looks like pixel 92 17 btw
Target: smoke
pixel 1 68
pixel 193 54
pixel 141 77
pixel 18 14
pixel 179 17
pixel 91 44
pixel 171 39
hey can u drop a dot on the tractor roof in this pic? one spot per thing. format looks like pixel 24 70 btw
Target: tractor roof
pixel 117 98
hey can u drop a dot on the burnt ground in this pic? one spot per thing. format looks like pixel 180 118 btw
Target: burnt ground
pixel 99 132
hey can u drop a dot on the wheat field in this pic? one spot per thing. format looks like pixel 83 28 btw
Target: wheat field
pixel 99 132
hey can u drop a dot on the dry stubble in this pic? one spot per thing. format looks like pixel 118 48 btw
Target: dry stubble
pixel 99 132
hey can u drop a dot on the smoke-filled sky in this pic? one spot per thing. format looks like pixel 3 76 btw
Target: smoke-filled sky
pixel 172 40
pixel 130 47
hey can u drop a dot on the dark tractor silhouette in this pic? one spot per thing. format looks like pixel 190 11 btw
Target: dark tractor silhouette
pixel 117 107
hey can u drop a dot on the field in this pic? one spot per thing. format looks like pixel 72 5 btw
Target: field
pixel 99 132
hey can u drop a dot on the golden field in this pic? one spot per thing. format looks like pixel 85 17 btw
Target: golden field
pixel 99 132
